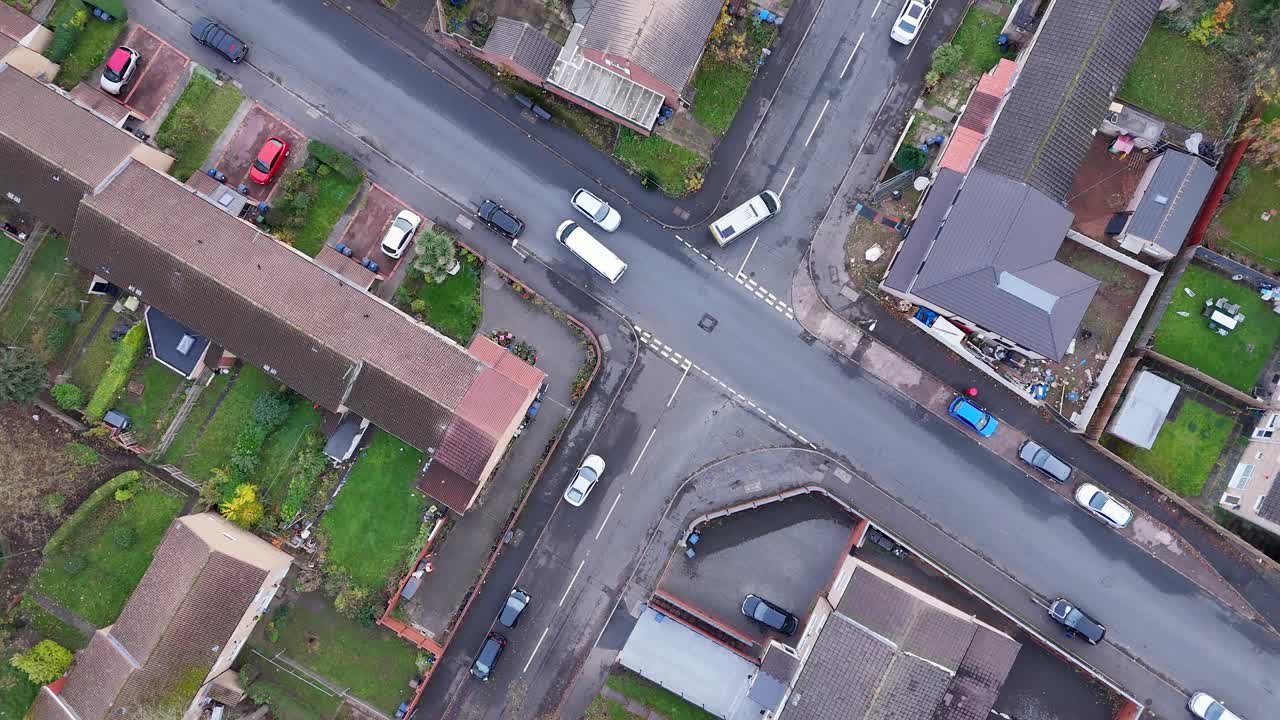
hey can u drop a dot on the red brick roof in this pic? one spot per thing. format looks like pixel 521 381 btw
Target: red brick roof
pixel 976 119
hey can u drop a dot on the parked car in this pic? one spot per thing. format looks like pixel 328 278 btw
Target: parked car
pixel 1077 621
pixel 1101 504
pixel 969 413
pixel 517 601
pixel 909 21
pixel 269 160
pixel 498 218
pixel 769 615
pixel 1046 462
pixel 598 210
pixel 1203 706
pixel 487 658
pixel 400 234
pixel 212 35
pixel 121 64
pixel 584 480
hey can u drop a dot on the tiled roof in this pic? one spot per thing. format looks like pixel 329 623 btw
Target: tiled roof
pixel 505 362
pixel 986 664
pixel 90 97
pixel 665 37
pixel 6 43
pixel 14 23
pixel 911 690
pixel 1172 200
pixel 447 486
pixel 841 675
pixel 1270 507
pixel 983 103
pixel 346 268
pixel 1079 58
pixel 525 46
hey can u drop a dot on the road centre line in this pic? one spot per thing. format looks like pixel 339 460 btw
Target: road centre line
pixel 609 514
pixel 873 12
pixel 787 181
pixel 749 251
pixel 571 582
pixel 678 384
pixel 855 52
pixel 817 122
pixel 646 447
pixel 535 650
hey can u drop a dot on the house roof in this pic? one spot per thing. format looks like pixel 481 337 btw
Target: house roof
pixel 15 24
pixel 166 335
pixel 992 263
pixel 202 580
pixel 978 113
pixel 1172 200
pixel 665 37
pixel 1270 507
pixel 527 47
pixel 1080 56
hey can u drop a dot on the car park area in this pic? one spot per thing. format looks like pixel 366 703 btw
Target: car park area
pixel 368 226
pixel 160 69
pixel 237 158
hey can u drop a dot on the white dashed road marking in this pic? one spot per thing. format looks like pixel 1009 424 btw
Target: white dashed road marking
pixel 743 280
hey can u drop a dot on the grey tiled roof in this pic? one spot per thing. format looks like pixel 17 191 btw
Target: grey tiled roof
pixel 525 46
pixel 665 37
pixel 910 691
pixel 841 675
pixel 1172 200
pixel 923 229
pixel 977 682
pixel 1270 508
pixel 1070 76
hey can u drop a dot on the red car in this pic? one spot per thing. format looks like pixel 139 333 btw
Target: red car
pixel 269 161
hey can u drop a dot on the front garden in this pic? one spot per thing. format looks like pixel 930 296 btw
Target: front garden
pixel 310 200
pixel 655 697
pixel 661 164
pixel 9 249
pixel 958 64
pixel 1186 449
pixel 448 303
pixel 728 65
pixel 200 115
pixel 81 41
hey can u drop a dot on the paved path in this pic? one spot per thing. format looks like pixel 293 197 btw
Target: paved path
pixel 62 613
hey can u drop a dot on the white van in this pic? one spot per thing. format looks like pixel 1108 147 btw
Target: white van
pixel 600 258
pixel 745 216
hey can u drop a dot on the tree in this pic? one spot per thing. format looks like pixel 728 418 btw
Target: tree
pixel 243 509
pixel 910 157
pixel 22 375
pixel 437 254
pixel 68 396
pixel 43 663
pixel 349 601
pixel 1266 141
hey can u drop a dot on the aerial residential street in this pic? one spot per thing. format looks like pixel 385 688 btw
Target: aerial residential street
pixel 424 138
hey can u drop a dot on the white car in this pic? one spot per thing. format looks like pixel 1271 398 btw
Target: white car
pixel 1101 504
pixel 913 15
pixel 119 68
pixel 585 479
pixel 598 210
pixel 1203 706
pixel 400 233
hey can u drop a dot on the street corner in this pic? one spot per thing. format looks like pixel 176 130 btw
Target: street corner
pixel 258 126
pixel 161 66
pixel 362 238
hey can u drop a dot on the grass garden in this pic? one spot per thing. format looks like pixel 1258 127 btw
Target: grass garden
pixel 201 113
pixel 1186 449
pixel 80 41
pixel 51 282
pixel 674 169
pixel 1183 81
pixel 310 200
pixel 452 307
pixel 727 67
pixel 655 697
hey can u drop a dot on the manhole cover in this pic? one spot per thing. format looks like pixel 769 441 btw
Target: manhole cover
pixel 708 323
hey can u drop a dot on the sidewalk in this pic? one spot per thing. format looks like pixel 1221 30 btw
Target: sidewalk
pixel 461 557
pixel 401 26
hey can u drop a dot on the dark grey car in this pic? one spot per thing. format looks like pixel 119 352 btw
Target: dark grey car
pixel 1077 621
pixel 500 219
pixel 769 615
pixel 211 34
pixel 517 601
pixel 1044 461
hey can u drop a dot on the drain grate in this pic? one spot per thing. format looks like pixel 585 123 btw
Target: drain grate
pixel 708 323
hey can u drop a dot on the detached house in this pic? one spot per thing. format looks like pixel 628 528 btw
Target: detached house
pixel 208 585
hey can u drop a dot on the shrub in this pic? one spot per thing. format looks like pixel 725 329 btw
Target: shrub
pixel 82 454
pixel 117 373
pixel 307 466
pixel 271 409
pixel 53 503
pixel 367 615
pixel 349 601
pixel 64 41
pixel 88 509
pixel 947 59
pixel 244 509
pixel 910 157
pixel 124 537
pixel 244 456
pixel 22 375
pixel 68 396
pixel 342 163
pixel 125 494
pixel 437 254
pixel 43 663
pixel 418 306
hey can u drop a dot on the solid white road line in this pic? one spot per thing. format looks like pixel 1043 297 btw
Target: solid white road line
pixel 571 582
pixel 646 447
pixel 609 514
pixel 855 52
pixel 817 123
pixel 678 384
pixel 753 243
pixel 786 182
pixel 535 650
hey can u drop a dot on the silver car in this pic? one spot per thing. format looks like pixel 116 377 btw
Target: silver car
pixel 1203 706
pixel 584 480
pixel 1101 504
pixel 598 210
pixel 1046 462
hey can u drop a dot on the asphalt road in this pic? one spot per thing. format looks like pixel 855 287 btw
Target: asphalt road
pixel 423 138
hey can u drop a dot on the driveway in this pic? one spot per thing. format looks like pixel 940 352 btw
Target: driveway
pixel 258 125
pixel 364 233
pixel 161 68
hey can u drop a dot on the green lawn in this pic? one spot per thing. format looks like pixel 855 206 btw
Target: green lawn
pixel 95 357
pixel 1183 81
pixel 655 697
pixel 453 306
pixel 721 84
pixel 95 41
pixel 50 281
pixel 214 104
pixel 291 697
pixel 159 385
pixel 16 691
pixel 186 435
pixel 273 470
pixel 1241 218
pixel 213 448
pixel 603 708
pixel 110 572
pixel 378 512
pixel 977 37
pixel 375 664
pixel 50 626
pixel 670 163
pixel 1184 451
pixel 330 196
pixel 1236 358
pixel 9 249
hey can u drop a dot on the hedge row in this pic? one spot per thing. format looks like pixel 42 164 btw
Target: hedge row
pixel 117 374
pixel 89 508
pixel 342 163
pixel 66 31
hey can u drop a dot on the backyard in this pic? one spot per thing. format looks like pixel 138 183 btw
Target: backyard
pixel 1235 358
pixel 377 515
pixel 199 116
pixel 1239 227
pixel 291 697
pixel 213 448
pixel 278 452
pixel 1180 80
pixel 154 406
pixel 91 355
pixel 675 169
pixel 1186 449
pixel 49 283
pixel 9 249
pixel 453 306
pixel 91 46
pixel 655 697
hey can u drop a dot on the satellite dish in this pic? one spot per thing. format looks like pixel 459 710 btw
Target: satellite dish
pixel 920 183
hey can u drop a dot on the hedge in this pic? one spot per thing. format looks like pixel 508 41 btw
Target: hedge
pixel 88 508
pixel 117 373
pixel 342 163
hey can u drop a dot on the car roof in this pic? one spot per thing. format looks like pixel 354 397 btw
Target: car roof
pixel 119 58
pixel 587 200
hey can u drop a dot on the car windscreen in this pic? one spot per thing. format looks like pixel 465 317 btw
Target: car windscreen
pixel 261 166
pixel 980 419
pixel 769 616
pixel 506 221
pixel 1214 711
pixel 402 225
pixel 1098 501
pixel 601 213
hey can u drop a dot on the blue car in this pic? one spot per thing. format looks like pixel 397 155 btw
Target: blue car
pixel 982 422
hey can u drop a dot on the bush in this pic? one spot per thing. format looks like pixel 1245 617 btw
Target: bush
pixel 124 537
pixel 43 663
pixel 947 59
pixel 307 466
pixel 910 157
pixel 342 163
pixel 68 396
pixel 271 409
pixel 244 509
pixel 88 509
pixel 125 494
pixel 367 616
pixel 82 454
pixel 437 254
pixel 349 601
pixel 22 375
pixel 117 374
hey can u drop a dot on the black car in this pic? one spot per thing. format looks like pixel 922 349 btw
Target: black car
pixel 517 601
pixel 769 615
pixel 211 34
pixel 502 222
pixel 1046 462
pixel 490 651
pixel 1076 621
